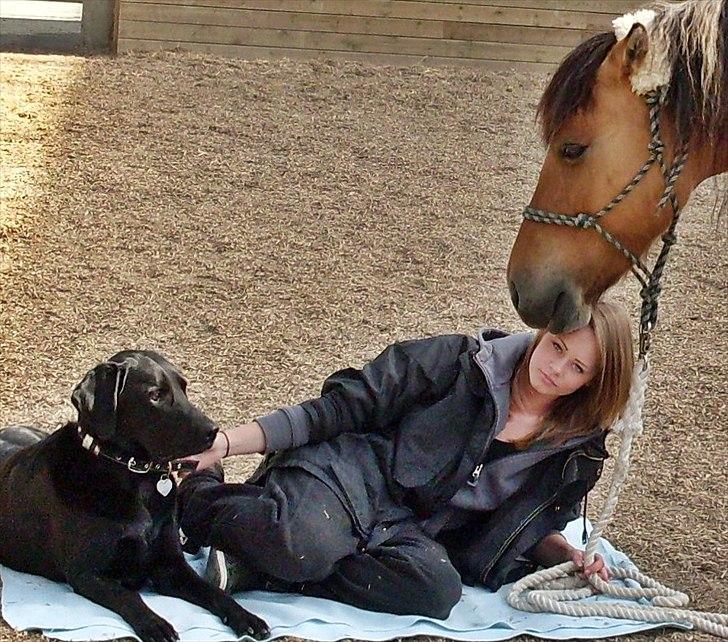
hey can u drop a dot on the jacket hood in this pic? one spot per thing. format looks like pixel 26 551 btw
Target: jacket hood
pixel 499 353
pixel 497 357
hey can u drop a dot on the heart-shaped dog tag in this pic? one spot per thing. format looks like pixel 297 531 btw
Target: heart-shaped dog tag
pixel 164 486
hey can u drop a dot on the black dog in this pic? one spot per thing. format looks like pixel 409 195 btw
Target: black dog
pixel 93 504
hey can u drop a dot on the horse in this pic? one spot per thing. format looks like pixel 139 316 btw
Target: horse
pixel 644 110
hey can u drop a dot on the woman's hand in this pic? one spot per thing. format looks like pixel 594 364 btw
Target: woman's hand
pixel 597 566
pixel 554 549
pixel 240 440
pixel 213 454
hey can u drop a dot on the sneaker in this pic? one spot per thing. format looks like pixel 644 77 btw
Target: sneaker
pixel 224 571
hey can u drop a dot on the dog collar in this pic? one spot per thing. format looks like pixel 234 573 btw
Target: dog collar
pixel 141 467
pixel 130 463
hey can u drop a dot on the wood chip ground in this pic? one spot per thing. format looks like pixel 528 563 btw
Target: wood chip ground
pixel 265 223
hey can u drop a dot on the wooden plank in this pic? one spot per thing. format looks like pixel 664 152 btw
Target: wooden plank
pixel 273 53
pixel 185 14
pixel 613 7
pixel 341 42
pixel 515 34
pixel 418 10
pixel 354 24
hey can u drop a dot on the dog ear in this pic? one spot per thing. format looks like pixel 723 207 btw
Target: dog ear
pixel 95 400
pixel 181 379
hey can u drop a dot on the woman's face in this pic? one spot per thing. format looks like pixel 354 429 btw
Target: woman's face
pixel 563 363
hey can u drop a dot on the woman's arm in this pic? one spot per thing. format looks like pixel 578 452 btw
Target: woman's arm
pixel 351 400
pixel 551 550
pixel 371 399
pixel 239 440
pixel 554 549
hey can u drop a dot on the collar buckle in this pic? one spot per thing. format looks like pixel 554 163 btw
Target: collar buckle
pixel 141 468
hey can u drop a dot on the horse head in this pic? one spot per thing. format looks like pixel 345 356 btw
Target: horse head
pixel 596 123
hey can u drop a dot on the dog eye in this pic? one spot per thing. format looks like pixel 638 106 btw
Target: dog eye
pixel 572 151
pixel 155 394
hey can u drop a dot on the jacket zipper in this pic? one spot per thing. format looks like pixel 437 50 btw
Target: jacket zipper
pixel 475 475
pixel 534 513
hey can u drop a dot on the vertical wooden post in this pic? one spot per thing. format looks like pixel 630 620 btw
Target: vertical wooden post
pixel 98 27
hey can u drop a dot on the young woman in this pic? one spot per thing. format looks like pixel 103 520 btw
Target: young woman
pixel 444 460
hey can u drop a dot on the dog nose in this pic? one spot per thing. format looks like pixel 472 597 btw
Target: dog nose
pixel 210 439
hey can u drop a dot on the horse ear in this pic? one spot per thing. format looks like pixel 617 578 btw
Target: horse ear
pixel 638 42
pixel 629 52
pixel 95 400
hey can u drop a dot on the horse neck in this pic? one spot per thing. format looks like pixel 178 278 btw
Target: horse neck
pixel 704 161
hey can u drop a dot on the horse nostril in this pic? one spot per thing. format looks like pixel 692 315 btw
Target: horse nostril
pixel 514 293
pixel 567 312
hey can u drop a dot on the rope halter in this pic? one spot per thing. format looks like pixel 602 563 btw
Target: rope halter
pixel 650 280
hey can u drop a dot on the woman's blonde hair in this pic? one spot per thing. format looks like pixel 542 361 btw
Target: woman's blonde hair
pixel 598 403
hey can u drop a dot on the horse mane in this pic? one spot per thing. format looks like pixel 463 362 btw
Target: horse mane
pixel 694 34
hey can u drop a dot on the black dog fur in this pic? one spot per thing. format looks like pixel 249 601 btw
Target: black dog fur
pixel 77 517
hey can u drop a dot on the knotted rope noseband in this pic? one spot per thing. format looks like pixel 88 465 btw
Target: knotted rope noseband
pixel 650 280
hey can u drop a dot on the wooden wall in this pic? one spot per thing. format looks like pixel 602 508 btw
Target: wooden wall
pixel 501 34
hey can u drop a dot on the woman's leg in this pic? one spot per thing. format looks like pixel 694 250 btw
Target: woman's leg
pixel 408 574
pixel 296 531
pixel 294 528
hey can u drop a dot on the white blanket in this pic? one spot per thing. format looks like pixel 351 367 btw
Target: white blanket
pixel 34 603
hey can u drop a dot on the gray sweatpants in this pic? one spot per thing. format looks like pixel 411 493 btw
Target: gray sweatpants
pixel 298 536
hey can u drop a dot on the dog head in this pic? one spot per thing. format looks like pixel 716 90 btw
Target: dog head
pixel 137 400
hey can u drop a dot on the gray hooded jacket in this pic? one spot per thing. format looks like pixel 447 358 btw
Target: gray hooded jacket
pixel 421 416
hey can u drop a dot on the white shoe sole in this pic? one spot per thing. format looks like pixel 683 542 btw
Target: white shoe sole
pixel 222 570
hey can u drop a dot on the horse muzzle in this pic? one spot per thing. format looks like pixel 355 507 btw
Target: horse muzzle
pixel 555 306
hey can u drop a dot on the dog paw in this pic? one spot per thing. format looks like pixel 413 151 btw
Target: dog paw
pixel 155 629
pixel 245 623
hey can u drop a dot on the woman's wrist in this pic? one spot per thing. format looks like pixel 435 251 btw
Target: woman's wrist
pixel 227 444
pixel 561 548
pixel 240 440
pixel 221 445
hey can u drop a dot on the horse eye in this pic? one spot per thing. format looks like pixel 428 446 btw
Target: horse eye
pixel 572 151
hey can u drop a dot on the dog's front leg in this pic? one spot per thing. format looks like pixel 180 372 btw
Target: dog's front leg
pixel 110 594
pixel 177 579
pixel 172 576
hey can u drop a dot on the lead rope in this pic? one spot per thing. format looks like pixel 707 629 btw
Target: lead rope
pixel 555 590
